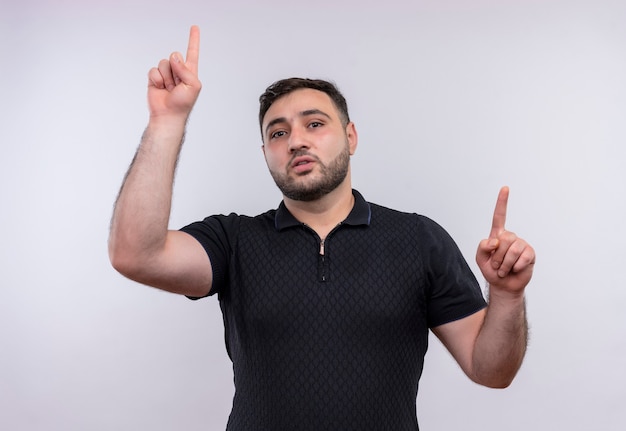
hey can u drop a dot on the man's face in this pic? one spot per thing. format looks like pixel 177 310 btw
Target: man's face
pixel 306 147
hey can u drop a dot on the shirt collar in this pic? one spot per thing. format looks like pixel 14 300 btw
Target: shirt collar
pixel 361 214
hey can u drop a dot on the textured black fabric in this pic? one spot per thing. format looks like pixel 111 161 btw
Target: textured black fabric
pixel 332 342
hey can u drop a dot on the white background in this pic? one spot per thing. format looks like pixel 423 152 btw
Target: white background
pixel 451 98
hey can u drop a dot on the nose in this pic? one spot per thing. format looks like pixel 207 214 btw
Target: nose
pixel 297 140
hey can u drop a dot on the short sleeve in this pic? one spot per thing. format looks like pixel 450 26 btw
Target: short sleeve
pixel 453 291
pixel 216 235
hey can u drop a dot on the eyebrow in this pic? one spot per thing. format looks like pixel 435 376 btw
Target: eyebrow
pixel 306 113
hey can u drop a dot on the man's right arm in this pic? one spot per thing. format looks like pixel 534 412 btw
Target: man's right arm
pixel 141 246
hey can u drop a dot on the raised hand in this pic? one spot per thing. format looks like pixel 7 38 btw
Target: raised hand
pixel 173 86
pixel 505 260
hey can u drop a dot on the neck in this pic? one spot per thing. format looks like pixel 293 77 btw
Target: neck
pixel 324 214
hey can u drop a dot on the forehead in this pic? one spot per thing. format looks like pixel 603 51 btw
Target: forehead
pixel 298 101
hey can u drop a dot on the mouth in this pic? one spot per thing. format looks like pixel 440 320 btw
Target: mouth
pixel 302 164
pixel 301 161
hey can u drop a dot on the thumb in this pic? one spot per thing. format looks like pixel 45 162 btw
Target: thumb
pixel 180 71
pixel 485 249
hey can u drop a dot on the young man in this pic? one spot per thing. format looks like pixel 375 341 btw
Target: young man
pixel 328 299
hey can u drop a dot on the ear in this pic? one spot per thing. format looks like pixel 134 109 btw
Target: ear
pixel 352 136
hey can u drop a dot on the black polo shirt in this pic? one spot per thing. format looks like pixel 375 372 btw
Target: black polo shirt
pixel 332 341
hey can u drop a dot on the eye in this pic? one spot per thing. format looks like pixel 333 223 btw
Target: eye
pixel 314 124
pixel 277 134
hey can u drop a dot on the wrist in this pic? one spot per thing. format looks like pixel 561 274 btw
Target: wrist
pixel 165 129
pixel 167 121
pixel 501 294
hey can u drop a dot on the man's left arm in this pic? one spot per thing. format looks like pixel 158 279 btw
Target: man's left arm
pixel 490 345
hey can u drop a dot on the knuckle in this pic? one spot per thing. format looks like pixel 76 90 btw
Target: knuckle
pixel 517 248
pixel 509 236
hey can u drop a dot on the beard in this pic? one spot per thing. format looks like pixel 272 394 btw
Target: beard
pixel 331 176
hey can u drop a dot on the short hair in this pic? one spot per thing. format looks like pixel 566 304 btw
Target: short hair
pixel 285 86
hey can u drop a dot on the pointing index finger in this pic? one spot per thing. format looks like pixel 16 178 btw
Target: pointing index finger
pixel 193 49
pixel 499 214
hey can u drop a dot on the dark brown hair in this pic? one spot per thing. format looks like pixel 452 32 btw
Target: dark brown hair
pixel 286 86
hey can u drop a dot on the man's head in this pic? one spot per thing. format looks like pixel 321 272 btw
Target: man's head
pixel 307 138
pixel 289 85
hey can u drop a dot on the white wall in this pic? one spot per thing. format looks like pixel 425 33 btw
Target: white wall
pixel 452 99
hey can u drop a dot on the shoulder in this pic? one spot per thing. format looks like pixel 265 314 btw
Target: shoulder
pixel 382 213
pixel 230 224
pixel 417 228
